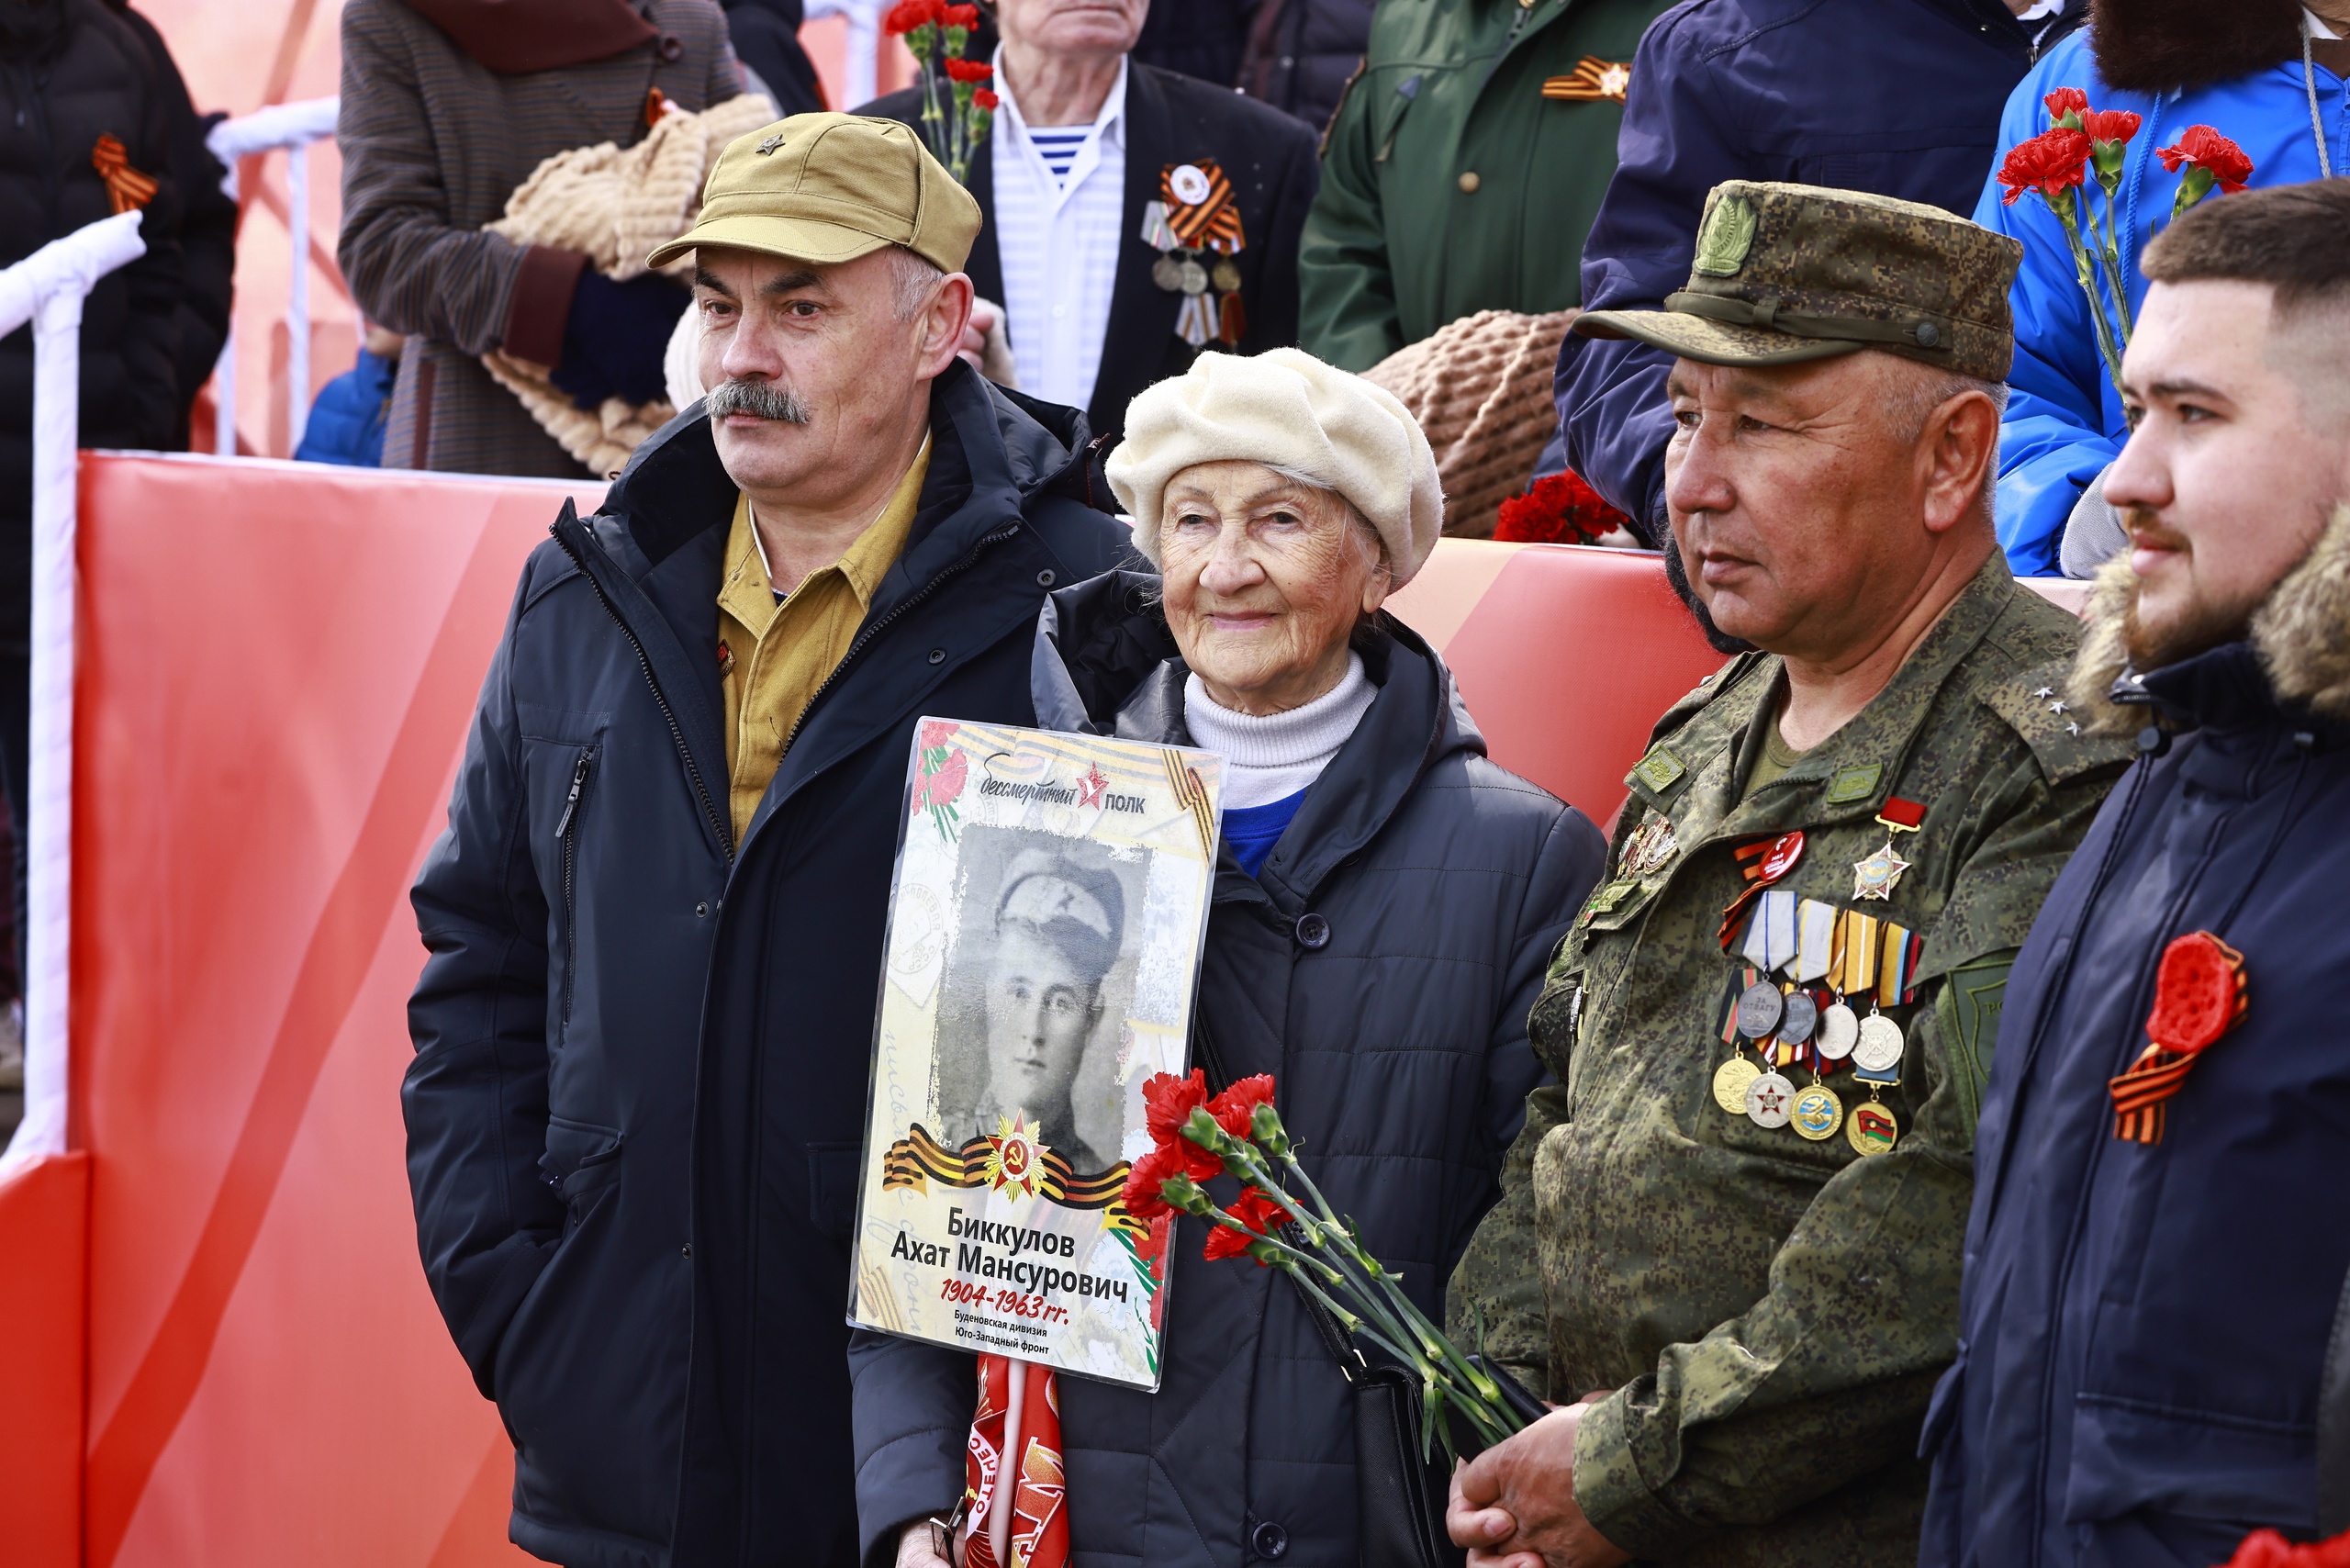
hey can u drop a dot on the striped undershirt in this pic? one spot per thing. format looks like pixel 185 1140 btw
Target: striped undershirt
pixel 1058 145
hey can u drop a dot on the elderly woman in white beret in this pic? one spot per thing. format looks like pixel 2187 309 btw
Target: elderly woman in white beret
pixel 1386 906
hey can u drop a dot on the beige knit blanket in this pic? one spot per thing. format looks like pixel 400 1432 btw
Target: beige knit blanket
pixel 1481 388
pixel 616 204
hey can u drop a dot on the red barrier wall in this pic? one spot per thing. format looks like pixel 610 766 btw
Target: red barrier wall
pixel 44 1232
pixel 278 666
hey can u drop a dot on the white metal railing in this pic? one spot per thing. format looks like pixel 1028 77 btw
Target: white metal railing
pixel 289 127
pixel 47 288
pixel 860 60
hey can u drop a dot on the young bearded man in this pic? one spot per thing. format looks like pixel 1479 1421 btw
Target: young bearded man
pixel 1739 1211
pixel 2153 1360
pixel 656 917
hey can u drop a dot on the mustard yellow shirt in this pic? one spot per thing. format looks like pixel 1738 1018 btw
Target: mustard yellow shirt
pixel 777 654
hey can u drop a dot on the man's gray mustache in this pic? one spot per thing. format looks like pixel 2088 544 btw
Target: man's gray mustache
pixel 760 400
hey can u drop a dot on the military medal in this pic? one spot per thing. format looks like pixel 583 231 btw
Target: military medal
pixel 1195 217
pixel 1768 1100
pixel 1872 1129
pixel 1878 1046
pixel 1730 1079
pixel 1651 847
pixel 1877 877
pixel 2199 994
pixel 1817 1112
pixel 1799 1016
pixel 1759 1007
pixel 1839 1030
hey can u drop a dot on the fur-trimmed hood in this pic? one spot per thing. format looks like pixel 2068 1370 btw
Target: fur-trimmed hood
pixel 2300 635
pixel 2152 46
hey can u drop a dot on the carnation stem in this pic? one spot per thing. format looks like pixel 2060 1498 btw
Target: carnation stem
pixel 2081 271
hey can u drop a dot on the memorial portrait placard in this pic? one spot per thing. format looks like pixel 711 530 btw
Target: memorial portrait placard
pixel 1046 916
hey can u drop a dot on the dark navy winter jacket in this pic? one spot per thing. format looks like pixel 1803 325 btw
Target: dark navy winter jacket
pixel 1398 1040
pixel 2144 1326
pixel 634 1110
pixel 1898 97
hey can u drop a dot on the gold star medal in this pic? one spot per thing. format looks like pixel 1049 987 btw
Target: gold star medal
pixel 1877 877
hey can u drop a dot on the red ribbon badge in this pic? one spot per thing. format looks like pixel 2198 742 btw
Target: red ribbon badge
pixel 2200 992
pixel 1761 863
pixel 1203 220
pixel 126 187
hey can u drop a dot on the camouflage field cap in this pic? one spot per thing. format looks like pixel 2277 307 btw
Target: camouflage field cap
pixel 1785 273
pixel 832 187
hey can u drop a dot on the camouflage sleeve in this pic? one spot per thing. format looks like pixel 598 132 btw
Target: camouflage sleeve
pixel 1495 1298
pixel 1826 1378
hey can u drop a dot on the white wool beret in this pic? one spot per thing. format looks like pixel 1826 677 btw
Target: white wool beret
pixel 1287 410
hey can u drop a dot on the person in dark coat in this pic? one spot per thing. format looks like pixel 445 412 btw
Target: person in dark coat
pixel 2152 1268
pixel 655 919
pixel 1201 39
pixel 1086 140
pixel 1895 98
pixel 766 34
pixel 1385 901
pixel 208 228
pixel 1302 53
pixel 75 79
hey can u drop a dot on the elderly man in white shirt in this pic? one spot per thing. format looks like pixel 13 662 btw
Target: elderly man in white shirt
pixel 1133 216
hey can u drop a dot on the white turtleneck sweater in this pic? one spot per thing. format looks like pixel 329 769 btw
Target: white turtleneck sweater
pixel 1273 758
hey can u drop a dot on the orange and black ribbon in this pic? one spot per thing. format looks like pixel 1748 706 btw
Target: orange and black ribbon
pixel 2199 994
pixel 128 189
pixel 1211 223
pixel 1590 81
pixel 1761 863
pixel 917 1159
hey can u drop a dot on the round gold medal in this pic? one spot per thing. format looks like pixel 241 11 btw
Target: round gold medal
pixel 1225 275
pixel 1817 1112
pixel 1870 1128
pixel 1730 1079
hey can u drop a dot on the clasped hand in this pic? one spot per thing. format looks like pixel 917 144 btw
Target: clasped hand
pixel 1514 1506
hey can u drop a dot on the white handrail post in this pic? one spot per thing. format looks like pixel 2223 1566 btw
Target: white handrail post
pixel 297 296
pixel 47 287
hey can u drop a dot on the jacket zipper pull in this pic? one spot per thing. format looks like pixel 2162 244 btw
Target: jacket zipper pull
pixel 578 784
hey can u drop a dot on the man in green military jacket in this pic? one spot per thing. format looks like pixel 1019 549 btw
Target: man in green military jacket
pixel 1733 1230
pixel 1463 167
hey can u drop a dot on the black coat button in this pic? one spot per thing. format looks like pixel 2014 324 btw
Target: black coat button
pixel 1269 1540
pixel 701 912
pixel 939 656
pixel 671 48
pixel 1313 933
pixel 1046 578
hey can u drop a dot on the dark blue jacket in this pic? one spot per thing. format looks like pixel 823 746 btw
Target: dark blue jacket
pixel 1399 1044
pixel 641 1067
pixel 2144 1327
pixel 1899 97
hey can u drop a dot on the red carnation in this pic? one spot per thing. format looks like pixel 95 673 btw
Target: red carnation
pixel 964 16
pixel 985 100
pixel 2198 993
pixel 907 15
pixel 941 788
pixel 969 70
pixel 2065 101
pixel 937 731
pixel 1254 1210
pixel 1558 509
pixel 2052 163
pixel 2109 125
pixel 1168 1101
pixel 2200 148
pixel 1144 1176
pixel 1235 1107
pixel 2266 1549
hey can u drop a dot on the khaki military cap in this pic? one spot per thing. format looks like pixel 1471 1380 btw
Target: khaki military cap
pixel 1785 274
pixel 829 188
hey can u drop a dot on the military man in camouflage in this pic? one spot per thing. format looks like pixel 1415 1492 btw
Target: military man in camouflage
pixel 1737 1217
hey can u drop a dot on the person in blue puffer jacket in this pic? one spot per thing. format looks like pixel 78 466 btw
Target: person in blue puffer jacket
pixel 346 423
pixel 2238 68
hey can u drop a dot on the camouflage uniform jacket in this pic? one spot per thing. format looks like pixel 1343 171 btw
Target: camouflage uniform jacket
pixel 1773 1313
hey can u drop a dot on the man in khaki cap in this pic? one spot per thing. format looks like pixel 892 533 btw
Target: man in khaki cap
pixel 655 919
pixel 1732 1230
